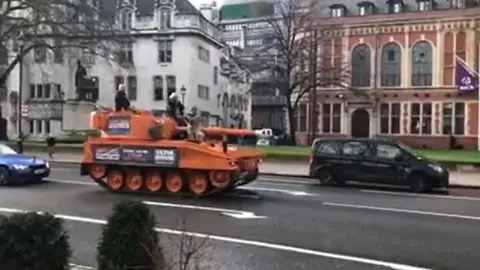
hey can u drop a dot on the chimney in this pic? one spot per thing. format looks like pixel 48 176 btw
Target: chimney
pixel 243 37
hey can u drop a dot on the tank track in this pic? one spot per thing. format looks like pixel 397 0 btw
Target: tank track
pixel 239 179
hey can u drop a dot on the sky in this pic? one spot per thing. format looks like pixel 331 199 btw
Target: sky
pixel 197 3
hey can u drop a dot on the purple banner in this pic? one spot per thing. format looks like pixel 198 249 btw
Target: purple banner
pixel 466 79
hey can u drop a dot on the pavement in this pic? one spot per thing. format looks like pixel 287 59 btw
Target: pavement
pixel 291 168
pixel 279 223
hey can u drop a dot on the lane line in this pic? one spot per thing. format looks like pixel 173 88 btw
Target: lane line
pixel 74 266
pixel 238 214
pixel 438 196
pixel 84 183
pixel 304 251
pixel 400 210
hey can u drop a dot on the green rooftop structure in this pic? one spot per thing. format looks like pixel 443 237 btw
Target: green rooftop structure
pixel 246 10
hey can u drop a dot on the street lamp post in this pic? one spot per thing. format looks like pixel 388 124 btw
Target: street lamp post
pixel 183 91
pixel 20 97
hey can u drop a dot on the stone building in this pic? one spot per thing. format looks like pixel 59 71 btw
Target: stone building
pixel 402 58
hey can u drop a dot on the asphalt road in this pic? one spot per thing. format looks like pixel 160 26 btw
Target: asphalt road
pixel 276 224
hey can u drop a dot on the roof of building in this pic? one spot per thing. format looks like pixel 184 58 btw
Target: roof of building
pixel 235 11
pixel 353 8
pixel 145 7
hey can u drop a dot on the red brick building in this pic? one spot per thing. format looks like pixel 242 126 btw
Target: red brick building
pixel 403 62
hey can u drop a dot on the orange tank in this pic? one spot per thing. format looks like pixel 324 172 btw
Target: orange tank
pixel 138 152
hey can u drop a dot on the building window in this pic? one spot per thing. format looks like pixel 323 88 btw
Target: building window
pixel 39 126
pixel 365 8
pixel 118 80
pixel 203 54
pixel 39 91
pixel 125 53
pixel 31 126
pixel 337 11
pixel 58 56
pixel 171 84
pixel 302 117
pixel 424 5
pixel 88 56
pixel 165 18
pixel 395 6
pixel 32 91
pixel 457 3
pixel 203 92
pixel 158 88
pixel 126 19
pixel 453 118
pixel 47 91
pixel 390 118
pixel 132 87
pixel 47 126
pixel 422 64
pixel 361 66
pixel 215 75
pixel 331 118
pixel 391 68
pixel 421 118
pixel 165 51
pixel 40 55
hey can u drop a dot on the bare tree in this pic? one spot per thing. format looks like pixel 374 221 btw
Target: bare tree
pixel 58 26
pixel 294 55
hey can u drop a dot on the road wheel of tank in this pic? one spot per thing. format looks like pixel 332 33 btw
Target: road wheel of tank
pixel 115 180
pixel 198 183
pixel 153 181
pixel 173 182
pixel 134 180
pixel 97 171
pixel 219 179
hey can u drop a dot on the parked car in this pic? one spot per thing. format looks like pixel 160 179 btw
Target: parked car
pixel 374 161
pixel 18 168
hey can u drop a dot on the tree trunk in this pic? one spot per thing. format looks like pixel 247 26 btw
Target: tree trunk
pixel 291 122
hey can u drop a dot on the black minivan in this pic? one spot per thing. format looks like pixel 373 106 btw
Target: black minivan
pixel 376 161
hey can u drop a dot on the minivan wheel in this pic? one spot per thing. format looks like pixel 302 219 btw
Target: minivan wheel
pixel 325 177
pixel 418 183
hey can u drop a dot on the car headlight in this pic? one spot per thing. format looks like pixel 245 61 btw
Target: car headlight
pixel 47 164
pixel 436 168
pixel 19 167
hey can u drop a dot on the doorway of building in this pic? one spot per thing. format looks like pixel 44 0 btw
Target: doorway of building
pixel 360 124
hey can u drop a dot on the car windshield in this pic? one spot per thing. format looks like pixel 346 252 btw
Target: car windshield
pixel 5 150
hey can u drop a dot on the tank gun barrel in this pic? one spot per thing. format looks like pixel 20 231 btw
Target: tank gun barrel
pixel 218 131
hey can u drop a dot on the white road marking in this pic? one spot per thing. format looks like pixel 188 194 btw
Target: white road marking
pixel 300 181
pixel 450 197
pixel 400 210
pixel 83 183
pixel 74 266
pixel 227 212
pixel 311 252
pixel 289 192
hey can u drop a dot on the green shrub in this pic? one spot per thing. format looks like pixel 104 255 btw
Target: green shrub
pixel 129 240
pixel 33 241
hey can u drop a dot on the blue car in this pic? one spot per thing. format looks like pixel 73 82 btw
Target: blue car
pixel 17 168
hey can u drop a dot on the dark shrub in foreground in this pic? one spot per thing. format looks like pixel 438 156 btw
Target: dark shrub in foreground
pixel 129 240
pixel 33 241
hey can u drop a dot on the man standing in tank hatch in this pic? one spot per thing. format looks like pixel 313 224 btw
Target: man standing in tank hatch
pixel 175 109
pixel 121 99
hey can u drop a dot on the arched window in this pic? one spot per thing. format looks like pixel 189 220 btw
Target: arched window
pixel 391 69
pixel 361 66
pixel 422 64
